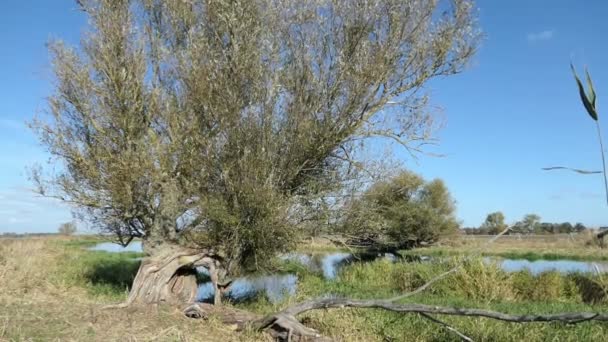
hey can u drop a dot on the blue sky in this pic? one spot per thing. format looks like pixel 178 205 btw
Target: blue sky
pixel 514 111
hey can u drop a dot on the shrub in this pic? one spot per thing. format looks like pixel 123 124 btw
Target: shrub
pixel 481 280
pixel 404 211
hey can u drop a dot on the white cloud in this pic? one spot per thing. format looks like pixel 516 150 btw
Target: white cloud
pixel 542 35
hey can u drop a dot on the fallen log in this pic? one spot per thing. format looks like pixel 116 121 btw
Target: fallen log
pixel 284 325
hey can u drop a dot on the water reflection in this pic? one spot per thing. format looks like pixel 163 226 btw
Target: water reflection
pixel 330 263
pixel 562 266
pixel 274 287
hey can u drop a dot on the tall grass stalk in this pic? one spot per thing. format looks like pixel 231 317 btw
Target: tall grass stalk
pixel 599 135
pixel 588 98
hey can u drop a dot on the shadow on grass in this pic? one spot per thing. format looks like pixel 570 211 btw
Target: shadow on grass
pixel 591 291
pixel 111 273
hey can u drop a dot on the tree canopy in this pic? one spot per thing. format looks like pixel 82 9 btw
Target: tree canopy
pixel 528 225
pixel 494 223
pixel 403 211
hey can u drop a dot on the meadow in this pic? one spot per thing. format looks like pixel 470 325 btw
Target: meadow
pixel 531 247
pixel 53 289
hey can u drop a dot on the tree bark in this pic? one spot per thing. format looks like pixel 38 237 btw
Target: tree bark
pixel 600 238
pixel 214 275
pixel 168 275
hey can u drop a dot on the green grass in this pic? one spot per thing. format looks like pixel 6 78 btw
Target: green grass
pixel 103 274
pixel 109 274
pixel 477 285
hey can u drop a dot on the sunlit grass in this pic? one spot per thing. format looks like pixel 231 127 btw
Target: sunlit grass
pixel 477 285
pixel 53 289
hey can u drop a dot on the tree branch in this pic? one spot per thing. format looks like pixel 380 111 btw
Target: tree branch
pixel 566 317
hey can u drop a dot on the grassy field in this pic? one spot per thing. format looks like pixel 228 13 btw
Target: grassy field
pixel 547 247
pixel 52 289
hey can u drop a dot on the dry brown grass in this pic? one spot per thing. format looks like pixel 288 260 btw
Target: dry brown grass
pixel 551 246
pixel 39 303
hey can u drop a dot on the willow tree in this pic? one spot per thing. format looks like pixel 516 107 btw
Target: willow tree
pixel 204 127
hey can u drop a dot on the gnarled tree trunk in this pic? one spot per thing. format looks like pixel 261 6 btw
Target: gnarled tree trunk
pixel 168 275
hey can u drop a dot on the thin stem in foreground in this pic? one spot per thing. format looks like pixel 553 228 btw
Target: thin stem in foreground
pixel 447 326
pixel 599 134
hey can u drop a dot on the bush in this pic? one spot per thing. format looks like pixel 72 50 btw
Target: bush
pixel 404 211
pixel 482 281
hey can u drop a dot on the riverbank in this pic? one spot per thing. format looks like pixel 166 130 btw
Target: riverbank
pixel 534 247
pixel 53 290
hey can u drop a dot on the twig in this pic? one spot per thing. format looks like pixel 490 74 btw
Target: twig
pixel 4 326
pixel 426 285
pixel 567 317
pixel 352 251
pixel 447 326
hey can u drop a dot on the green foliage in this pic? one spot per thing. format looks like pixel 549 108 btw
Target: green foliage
pixel 480 281
pixel 530 225
pixel 476 281
pixel 404 210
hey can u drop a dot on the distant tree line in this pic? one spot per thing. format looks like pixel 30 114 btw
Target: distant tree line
pixel 67 228
pixel 24 235
pixel 530 224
